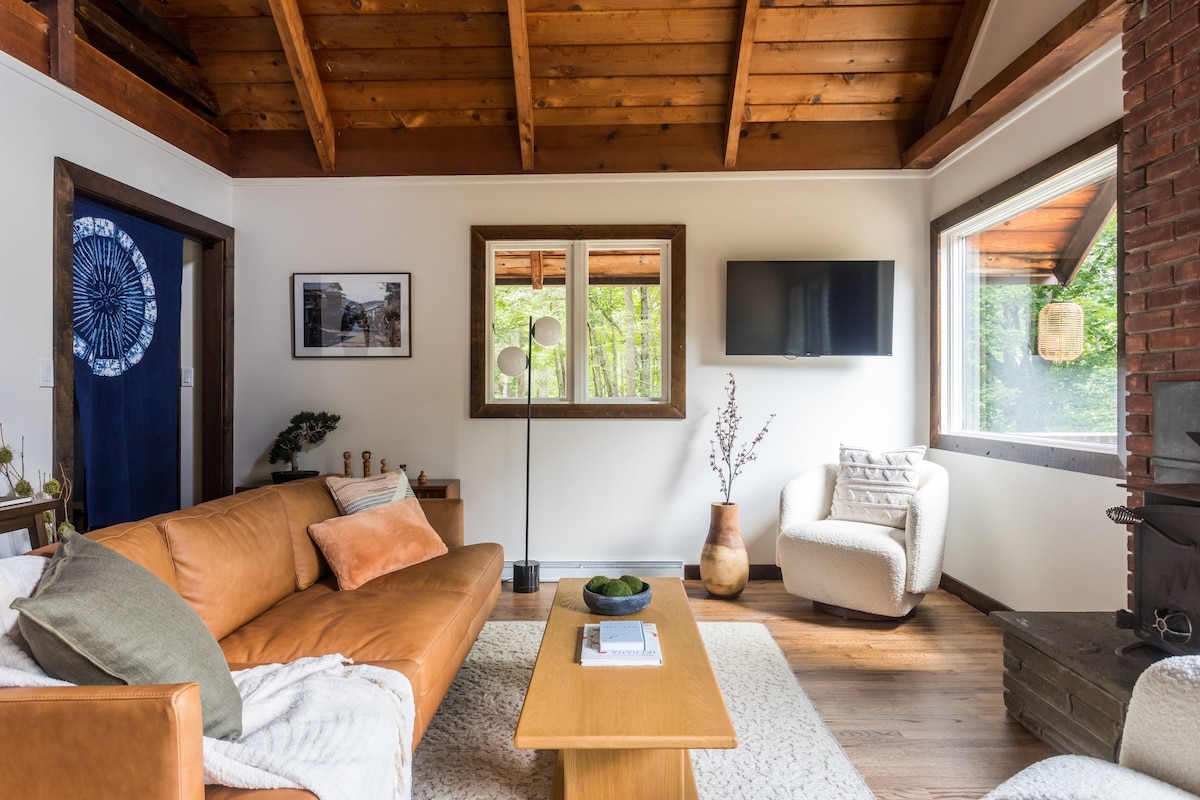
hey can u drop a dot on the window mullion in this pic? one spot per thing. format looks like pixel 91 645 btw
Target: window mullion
pixel 577 302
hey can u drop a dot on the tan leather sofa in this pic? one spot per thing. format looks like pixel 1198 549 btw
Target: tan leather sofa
pixel 245 563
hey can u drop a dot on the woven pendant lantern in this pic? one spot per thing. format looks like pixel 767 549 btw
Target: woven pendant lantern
pixel 1060 332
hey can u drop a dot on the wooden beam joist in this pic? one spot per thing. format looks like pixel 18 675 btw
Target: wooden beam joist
pixel 61 17
pixel 308 81
pixel 1087 231
pixel 1091 25
pixel 518 33
pixel 175 74
pixel 156 25
pixel 966 33
pixel 741 81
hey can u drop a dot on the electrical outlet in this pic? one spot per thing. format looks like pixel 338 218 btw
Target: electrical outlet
pixel 45 373
pixel 186 377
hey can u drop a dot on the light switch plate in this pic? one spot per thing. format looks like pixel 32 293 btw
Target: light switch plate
pixel 45 373
pixel 186 377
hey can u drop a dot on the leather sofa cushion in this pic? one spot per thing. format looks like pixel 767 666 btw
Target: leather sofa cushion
pixel 234 563
pixel 421 631
pixel 307 501
pixel 142 543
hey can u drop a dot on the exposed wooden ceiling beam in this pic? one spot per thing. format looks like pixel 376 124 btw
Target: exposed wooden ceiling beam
pixel 308 81
pixel 61 16
pixel 1087 231
pixel 175 74
pixel 518 34
pixel 155 24
pixel 537 274
pixel 741 80
pixel 1090 26
pixel 966 34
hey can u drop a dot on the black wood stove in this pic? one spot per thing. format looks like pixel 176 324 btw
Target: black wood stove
pixel 1166 533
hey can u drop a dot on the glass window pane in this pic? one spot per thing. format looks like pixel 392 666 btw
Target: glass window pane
pixel 1020 377
pixel 624 323
pixel 529 284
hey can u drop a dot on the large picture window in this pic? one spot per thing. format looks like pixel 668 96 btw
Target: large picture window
pixel 617 292
pixel 1026 332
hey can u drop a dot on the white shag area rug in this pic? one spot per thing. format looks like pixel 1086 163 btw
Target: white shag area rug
pixel 784 749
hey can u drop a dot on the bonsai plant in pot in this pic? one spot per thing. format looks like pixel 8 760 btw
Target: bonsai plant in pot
pixel 305 429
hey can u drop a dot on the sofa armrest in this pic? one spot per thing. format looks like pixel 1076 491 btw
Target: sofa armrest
pixel 1162 725
pixel 445 514
pixel 118 742
pixel 925 529
pixel 807 498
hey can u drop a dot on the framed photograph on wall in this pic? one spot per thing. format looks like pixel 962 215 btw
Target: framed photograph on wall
pixel 351 314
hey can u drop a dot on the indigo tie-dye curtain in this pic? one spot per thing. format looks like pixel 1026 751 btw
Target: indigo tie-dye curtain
pixel 127 279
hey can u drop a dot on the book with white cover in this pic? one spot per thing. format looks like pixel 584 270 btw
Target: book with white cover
pixel 622 634
pixel 590 655
pixel 15 501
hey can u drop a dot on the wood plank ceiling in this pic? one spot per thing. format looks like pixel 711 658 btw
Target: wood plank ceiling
pixel 396 87
pixel 1047 244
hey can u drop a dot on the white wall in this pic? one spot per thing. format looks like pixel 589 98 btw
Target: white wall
pixel 42 121
pixel 1009 28
pixel 634 489
pixel 1034 538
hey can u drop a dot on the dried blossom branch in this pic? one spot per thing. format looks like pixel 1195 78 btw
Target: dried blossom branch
pixel 721 455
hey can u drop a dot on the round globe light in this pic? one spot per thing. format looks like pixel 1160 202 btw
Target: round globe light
pixel 511 361
pixel 547 331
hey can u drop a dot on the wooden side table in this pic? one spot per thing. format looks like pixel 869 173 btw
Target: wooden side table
pixel 436 487
pixel 28 517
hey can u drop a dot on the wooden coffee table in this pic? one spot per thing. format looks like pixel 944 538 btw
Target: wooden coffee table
pixel 623 731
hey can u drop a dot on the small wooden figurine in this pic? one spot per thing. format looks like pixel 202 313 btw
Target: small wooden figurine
pixel 421 479
pixel 366 463
pixel 346 463
pixel 383 466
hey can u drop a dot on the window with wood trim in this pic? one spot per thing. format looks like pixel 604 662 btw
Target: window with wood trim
pixel 1026 330
pixel 618 293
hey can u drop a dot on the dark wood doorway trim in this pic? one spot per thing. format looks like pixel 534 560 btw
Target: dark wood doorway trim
pixel 215 334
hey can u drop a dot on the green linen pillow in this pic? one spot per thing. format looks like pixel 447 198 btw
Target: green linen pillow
pixel 97 618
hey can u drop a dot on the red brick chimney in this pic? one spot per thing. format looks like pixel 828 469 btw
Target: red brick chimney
pixel 1161 193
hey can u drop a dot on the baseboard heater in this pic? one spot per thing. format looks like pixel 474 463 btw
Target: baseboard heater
pixel 554 570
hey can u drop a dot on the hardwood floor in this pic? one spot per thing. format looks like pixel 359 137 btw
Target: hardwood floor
pixel 917 706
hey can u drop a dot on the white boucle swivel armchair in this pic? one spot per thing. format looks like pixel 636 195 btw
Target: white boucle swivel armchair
pixel 1159 758
pixel 857 569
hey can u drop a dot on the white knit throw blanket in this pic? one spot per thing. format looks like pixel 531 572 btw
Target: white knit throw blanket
pixel 342 731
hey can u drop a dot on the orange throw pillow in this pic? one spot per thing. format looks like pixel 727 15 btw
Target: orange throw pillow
pixel 361 547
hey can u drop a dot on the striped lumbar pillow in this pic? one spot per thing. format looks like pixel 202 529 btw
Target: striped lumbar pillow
pixel 876 487
pixel 353 495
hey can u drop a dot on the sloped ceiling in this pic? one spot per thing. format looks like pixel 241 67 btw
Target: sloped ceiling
pixel 376 87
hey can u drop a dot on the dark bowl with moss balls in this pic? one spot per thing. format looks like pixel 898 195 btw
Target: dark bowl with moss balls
pixel 617 606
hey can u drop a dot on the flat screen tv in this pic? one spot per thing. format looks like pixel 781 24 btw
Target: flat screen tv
pixel 809 308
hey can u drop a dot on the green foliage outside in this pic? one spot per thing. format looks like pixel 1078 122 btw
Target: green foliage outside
pixel 624 340
pixel 1020 392
pixel 514 306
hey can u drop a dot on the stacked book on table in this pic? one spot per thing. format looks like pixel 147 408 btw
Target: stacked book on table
pixel 621 643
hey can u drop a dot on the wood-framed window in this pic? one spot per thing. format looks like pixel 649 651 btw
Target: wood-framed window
pixel 617 291
pixel 1009 380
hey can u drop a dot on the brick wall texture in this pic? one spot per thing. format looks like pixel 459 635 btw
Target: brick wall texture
pixel 1161 154
pixel 1162 208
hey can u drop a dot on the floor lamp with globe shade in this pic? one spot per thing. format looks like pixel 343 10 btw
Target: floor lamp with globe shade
pixel 513 361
